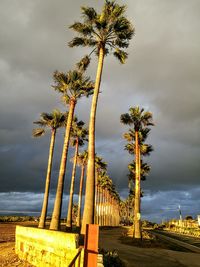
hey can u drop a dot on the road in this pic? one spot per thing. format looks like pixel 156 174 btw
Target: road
pixel 189 242
pixel 135 256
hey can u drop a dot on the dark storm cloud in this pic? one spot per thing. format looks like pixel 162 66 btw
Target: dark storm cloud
pixel 155 206
pixel 28 203
pixel 161 74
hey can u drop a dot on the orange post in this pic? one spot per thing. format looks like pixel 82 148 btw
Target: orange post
pixel 91 245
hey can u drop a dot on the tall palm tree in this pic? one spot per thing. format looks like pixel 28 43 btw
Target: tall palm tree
pixel 100 167
pixel 72 85
pixel 79 135
pixel 53 120
pixel 130 203
pixel 144 170
pixel 81 161
pixel 139 119
pixel 105 183
pixel 106 32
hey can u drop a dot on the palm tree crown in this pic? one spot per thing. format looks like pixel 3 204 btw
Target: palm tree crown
pixel 100 165
pixel 53 120
pixel 79 133
pixel 82 158
pixel 137 117
pixel 109 30
pixel 72 85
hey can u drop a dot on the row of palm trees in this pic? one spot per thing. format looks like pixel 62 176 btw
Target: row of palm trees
pixel 107 202
pixel 126 207
pixel 106 32
pixel 107 198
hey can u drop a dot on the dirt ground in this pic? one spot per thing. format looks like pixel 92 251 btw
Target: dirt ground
pixel 8 258
pixel 134 255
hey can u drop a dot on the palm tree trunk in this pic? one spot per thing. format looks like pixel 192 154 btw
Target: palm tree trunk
pixel 100 205
pixel 106 208
pixel 137 216
pixel 88 214
pixel 95 196
pixel 55 221
pixel 70 205
pixel 47 184
pixel 97 204
pixel 111 214
pixel 80 195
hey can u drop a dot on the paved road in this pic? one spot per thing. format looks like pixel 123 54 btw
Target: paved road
pixel 185 238
pixel 146 257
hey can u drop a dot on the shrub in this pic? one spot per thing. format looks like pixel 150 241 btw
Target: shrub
pixel 111 259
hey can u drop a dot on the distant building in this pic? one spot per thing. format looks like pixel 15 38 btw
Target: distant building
pixel 198 218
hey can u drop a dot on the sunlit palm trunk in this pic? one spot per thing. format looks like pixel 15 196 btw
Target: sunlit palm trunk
pixel 111 214
pixel 70 205
pixel 105 203
pixel 80 196
pixel 47 183
pixel 106 207
pixel 97 204
pixel 137 215
pixel 100 205
pixel 108 210
pixel 95 197
pixel 88 214
pixel 98 198
pixel 55 221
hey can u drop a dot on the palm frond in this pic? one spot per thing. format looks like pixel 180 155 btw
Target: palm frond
pixel 120 43
pixel 83 64
pixel 82 28
pixel 120 55
pixel 89 14
pixel 41 122
pixel 38 132
pixel 126 119
pixel 78 41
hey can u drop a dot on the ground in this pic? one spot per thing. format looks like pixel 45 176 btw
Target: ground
pixel 8 258
pixel 150 254
pixel 155 254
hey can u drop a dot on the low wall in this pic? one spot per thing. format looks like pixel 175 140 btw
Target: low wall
pixel 43 248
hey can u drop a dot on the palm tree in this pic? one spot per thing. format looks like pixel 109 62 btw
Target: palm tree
pixel 81 161
pixel 139 119
pixel 72 85
pixel 130 204
pixel 106 32
pixel 144 170
pixel 53 121
pixel 105 183
pixel 100 167
pixel 78 136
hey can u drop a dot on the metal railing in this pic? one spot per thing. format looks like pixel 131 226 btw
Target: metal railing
pixel 76 259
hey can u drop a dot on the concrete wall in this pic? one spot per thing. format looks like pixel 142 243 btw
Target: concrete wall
pixel 43 248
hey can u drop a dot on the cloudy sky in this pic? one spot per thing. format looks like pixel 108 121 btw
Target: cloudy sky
pixel 161 75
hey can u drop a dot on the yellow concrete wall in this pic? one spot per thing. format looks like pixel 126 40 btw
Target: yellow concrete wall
pixel 45 248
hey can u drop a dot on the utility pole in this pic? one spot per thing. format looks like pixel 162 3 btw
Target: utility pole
pixel 179 208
